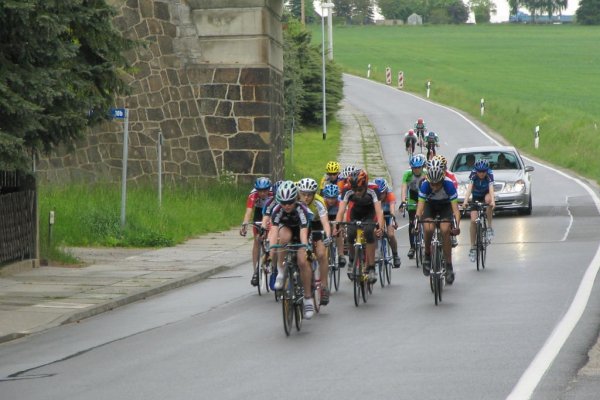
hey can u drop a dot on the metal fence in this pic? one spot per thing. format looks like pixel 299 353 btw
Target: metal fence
pixel 17 217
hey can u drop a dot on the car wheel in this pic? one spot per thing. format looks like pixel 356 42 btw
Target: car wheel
pixel 527 210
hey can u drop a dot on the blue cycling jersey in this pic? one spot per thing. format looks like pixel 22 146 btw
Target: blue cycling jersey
pixel 445 195
pixel 481 186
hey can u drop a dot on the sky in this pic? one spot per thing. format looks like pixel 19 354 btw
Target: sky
pixel 501 7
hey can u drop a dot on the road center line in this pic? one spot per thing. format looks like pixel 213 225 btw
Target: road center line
pixel 570 221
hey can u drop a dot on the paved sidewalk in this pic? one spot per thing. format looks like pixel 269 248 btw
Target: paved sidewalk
pixel 41 298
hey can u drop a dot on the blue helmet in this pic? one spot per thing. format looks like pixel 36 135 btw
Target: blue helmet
pixel 331 191
pixel 276 186
pixel 382 185
pixel 482 165
pixel 262 183
pixel 431 134
pixel 417 161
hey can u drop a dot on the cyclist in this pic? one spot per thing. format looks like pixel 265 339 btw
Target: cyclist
pixel 290 225
pixel 320 231
pixel 481 185
pixel 266 224
pixel 365 206
pixel 410 141
pixel 452 177
pixel 388 205
pixel 420 130
pixel 331 194
pixel 254 207
pixel 411 182
pixel 438 196
pixel 332 174
pixel 431 142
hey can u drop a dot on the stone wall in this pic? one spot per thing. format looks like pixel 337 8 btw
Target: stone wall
pixel 209 78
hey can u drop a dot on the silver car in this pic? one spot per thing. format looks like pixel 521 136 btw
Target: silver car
pixel 512 180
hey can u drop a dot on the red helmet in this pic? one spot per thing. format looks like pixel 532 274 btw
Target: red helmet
pixel 411 132
pixel 358 179
pixel 420 121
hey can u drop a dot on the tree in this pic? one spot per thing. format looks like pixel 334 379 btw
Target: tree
pixel 483 9
pixel 59 73
pixel 513 6
pixel 447 12
pixel 588 12
pixel 364 12
pixel 295 8
pixel 344 8
pixel 400 9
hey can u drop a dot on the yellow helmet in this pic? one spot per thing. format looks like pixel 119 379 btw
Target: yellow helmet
pixel 333 167
pixel 443 161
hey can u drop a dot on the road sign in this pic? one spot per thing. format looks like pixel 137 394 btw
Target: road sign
pixel 118 113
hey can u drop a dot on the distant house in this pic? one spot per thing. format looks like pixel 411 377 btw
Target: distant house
pixel 414 19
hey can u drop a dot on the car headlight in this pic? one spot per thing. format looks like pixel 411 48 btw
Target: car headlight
pixel 514 187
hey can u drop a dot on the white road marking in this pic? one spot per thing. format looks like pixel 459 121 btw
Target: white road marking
pixel 570 221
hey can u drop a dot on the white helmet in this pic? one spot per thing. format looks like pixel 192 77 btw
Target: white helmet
pixel 286 192
pixel 348 169
pixel 308 185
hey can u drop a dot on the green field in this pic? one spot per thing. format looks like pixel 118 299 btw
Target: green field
pixel 546 75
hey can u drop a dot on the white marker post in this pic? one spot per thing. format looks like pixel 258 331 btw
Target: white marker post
pixel 400 80
pixel 536 141
pixel 482 104
pixel 369 71
pixel 388 75
pixel 428 88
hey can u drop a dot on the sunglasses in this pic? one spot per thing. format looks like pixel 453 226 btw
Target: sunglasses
pixel 287 203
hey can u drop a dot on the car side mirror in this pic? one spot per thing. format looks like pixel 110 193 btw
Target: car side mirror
pixel 529 168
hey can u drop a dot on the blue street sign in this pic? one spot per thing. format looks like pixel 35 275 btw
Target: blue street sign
pixel 118 113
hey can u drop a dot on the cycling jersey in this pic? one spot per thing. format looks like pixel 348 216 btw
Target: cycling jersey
pixel 363 208
pixel 269 205
pixel 390 197
pixel 297 218
pixel 481 186
pixel 326 180
pixel 452 177
pixel 445 195
pixel 316 210
pixel 432 139
pixel 409 138
pixel 413 183
pixel 256 202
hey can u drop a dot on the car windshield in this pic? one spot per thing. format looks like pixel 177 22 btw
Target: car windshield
pixel 498 160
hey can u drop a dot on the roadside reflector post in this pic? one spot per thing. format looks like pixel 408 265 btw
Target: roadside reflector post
pixel 536 141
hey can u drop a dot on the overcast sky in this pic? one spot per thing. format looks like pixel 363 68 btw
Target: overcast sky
pixel 501 6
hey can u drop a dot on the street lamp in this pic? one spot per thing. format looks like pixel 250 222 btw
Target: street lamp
pixel 328 7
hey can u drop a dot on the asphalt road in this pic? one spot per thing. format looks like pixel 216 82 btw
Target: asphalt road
pixel 218 339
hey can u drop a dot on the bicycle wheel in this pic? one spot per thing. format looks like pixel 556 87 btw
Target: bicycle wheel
pixel 479 242
pixel 258 268
pixel 357 271
pixel 316 287
pixel 299 313
pixel 266 270
pixel 380 263
pixel 287 304
pixel 334 269
pixel 484 243
pixel 435 273
pixel 419 249
pixel 388 262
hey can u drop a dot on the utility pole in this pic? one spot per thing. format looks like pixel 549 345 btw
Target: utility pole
pixel 302 15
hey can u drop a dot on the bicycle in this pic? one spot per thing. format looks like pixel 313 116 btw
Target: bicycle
pixel 263 265
pixel 334 268
pixel 385 261
pixel 437 272
pixel 431 152
pixel 481 238
pixel 420 138
pixel 292 293
pixel 360 277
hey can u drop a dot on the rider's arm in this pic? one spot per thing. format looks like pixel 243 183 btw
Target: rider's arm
pixel 492 196
pixel 455 212
pixel 420 208
pixel 468 193
pixel 379 214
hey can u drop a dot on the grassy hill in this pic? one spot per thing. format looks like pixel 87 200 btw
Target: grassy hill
pixel 528 75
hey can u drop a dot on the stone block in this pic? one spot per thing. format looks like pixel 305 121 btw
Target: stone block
pixel 166 93
pixel 166 44
pixel 247 141
pixel 131 16
pixel 262 124
pixel 218 91
pixel 142 70
pixel 188 169
pixel 170 129
pixel 174 92
pixel 169 29
pixel 184 110
pixel 93 155
pixel 155 114
pixel 155 27
pixel 262 163
pixel 186 92
pixel 220 125
pixel 238 162
pixel 207 163
pixel 171 167
pixel 234 92
pixel 251 109
pixel 263 93
pixel 173 77
pixel 174 110
pixel 192 157
pixel 248 93
pixel 255 76
pixel 161 11
pixel 226 75
pixel 218 142
pixel 146 8
pixel 224 109
pixel 155 82
pixel 194 108
pixel 142 30
pixel 155 100
pixel 245 125
pixel 134 169
pixel 199 142
pixel 178 155
pixel 188 126
pixel 115 151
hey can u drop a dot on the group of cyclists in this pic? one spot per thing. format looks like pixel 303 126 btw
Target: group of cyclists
pixel 419 136
pixel 309 213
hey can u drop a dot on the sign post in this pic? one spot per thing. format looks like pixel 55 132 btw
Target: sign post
pixel 388 75
pixel 428 88
pixel 369 71
pixel 482 105
pixel 400 80
pixel 123 113
pixel 536 141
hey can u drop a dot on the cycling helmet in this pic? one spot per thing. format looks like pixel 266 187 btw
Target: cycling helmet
pixel 262 183
pixel 431 134
pixel 482 165
pixel 331 191
pixel 443 161
pixel 276 186
pixel 411 132
pixel 417 161
pixel 358 179
pixel 348 169
pixel 308 185
pixel 286 192
pixel 435 173
pixel 434 163
pixel 420 121
pixel 382 185
pixel 333 167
